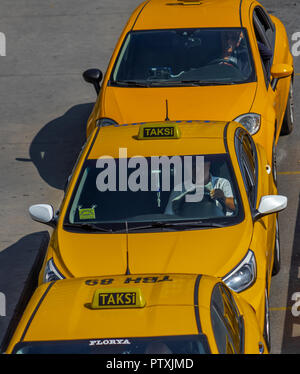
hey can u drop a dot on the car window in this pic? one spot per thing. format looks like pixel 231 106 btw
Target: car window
pixel 250 155
pixel 265 41
pixel 233 318
pixel 226 321
pixel 247 157
pixel 185 56
pixel 267 25
pixel 158 189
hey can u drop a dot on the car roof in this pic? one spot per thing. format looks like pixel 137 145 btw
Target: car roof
pixel 197 137
pixel 62 310
pixel 165 14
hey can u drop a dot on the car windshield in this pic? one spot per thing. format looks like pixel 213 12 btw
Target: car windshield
pixel 189 344
pixel 214 56
pixel 155 192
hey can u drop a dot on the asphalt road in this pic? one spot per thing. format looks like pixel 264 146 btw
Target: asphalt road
pixel 44 105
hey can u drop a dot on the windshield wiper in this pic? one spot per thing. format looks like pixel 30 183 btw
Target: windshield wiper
pixel 152 225
pixel 206 83
pixel 184 224
pixel 164 83
pixel 192 82
pixel 87 227
pixel 131 83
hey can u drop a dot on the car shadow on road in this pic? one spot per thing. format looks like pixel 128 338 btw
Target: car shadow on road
pixel 19 267
pixel 56 146
pixel 291 332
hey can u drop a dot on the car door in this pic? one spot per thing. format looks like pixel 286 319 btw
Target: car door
pixel 265 33
pixel 257 178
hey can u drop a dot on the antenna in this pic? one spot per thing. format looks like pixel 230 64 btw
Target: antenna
pixel 167 111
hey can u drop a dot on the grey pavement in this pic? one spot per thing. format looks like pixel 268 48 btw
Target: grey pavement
pixel 44 105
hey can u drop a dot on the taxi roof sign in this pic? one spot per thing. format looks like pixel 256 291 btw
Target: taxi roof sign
pixel 159 131
pixel 110 298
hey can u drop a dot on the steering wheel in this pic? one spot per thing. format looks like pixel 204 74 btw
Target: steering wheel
pixel 202 209
pixel 206 197
pixel 225 61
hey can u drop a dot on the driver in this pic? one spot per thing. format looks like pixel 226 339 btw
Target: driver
pixel 231 42
pixel 219 189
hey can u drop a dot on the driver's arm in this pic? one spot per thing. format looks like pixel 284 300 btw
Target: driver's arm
pixel 218 194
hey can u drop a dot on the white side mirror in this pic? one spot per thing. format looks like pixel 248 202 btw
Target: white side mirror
pixel 42 213
pixel 271 204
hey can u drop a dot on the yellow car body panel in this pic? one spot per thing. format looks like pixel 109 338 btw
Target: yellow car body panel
pixel 146 105
pixel 263 236
pixel 157 252
pixel 169 14
pixel 174 305
pixel 172 252
pixel 194 136
pixel 130 104
pixel 269 103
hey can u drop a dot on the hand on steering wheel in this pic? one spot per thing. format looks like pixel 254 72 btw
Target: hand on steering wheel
pixel 217 194
pixel 226 61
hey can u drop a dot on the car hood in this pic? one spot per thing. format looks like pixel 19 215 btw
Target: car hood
pixel 212 251
pixel 219 103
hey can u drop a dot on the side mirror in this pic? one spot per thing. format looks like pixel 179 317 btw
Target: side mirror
pixel 93 76
pixel 42 213
pixel 270 204
pixel 279 71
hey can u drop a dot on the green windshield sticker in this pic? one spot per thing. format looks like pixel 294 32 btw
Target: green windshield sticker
pixel 87 213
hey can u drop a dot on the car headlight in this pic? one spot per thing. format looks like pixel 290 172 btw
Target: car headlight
pixel 243 275
pixel 51 272
pixel 251 121
pixel 102 122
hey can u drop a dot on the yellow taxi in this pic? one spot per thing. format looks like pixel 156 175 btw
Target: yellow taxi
pixel 146 313
pixel 210 59
pixel 169 197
